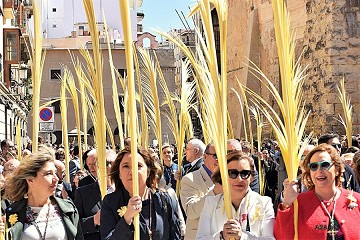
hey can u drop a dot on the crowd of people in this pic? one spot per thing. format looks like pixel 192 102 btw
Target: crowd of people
pixel 39 203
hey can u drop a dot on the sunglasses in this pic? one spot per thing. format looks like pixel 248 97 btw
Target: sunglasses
pixel 212 154
pixel 325 165
pixel 244 174
pixel 336 145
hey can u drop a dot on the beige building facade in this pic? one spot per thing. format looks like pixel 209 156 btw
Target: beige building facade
pixel 57 55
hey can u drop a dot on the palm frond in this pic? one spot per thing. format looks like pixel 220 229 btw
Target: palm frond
pixel 64 126
pixel 143 115
pixel 82 79
pixel 125 21
pixel 259 124
pixel 242 113
pixel 213 85
pixel 37 63
pixel 71 88
pixel 115 94
pixel 290 125
pixel 150 92
pixel 95 67
pixel 347 108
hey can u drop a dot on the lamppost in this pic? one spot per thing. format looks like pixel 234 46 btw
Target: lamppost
pixel 19 76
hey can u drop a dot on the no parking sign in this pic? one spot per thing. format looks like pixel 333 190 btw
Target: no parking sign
pixel 47 114
pixel 46 119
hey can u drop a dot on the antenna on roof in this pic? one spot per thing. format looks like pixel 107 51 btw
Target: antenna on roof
pixel 186 20
pixel 182 20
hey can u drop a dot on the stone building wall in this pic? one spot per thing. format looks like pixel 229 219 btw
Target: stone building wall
pixel 332 51
pixel 326 32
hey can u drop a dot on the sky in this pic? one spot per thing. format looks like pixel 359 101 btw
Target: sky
pixel 161 14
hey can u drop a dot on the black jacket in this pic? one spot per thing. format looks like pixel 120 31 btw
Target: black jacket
pixel 188 168
pixel 350 179
pixel 166 218
pixel 88 202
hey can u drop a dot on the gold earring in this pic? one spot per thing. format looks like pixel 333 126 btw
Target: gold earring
pixel 26 196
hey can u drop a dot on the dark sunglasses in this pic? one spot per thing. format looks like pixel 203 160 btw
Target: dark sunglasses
pixel 325 165
pixel 244 174
pixel 212 154
pixel 336 145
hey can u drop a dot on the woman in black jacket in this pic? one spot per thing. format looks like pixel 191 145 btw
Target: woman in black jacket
pixel 157 210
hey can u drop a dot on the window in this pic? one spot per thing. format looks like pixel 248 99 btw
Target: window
pixel 122 72
pixel 55 74
pixel 11 46
pixel 54 25
pixel 8 3
pixel 54 9
pixel 56 106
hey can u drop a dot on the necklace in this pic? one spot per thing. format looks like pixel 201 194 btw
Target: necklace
pixel 36 225
pixel 148 226
pixel 331 229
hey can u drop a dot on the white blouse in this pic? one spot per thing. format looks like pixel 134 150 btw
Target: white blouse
pixel 254 209
pixel 55 228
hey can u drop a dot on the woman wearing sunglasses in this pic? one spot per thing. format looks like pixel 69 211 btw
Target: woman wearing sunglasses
pixel 253 214
pixel 326 211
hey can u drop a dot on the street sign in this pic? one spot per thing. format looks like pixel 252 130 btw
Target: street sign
pixel 46 115
pixel 46 126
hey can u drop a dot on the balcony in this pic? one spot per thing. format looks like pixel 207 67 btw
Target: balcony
pixel 8 6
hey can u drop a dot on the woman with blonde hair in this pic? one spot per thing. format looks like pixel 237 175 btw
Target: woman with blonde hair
pixel 35 213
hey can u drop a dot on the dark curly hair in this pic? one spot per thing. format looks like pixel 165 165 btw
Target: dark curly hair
pixel 234 156
pixel 153 168
pixel 335 159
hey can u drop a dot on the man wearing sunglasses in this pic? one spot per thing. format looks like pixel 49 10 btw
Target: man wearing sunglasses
pixel 349 175
pixel 195 186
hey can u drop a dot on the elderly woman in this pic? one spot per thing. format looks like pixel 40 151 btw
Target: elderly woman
pixel 157 210
pixel 326 211
pixel 253 214
pixel 35 212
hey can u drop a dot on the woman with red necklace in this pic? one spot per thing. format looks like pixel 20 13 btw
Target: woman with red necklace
pixel 326 211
